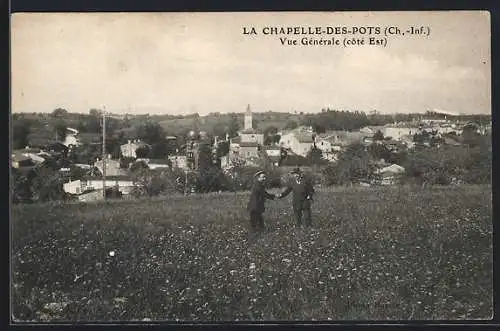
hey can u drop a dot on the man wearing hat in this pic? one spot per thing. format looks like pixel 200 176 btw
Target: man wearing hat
pixel 303 191
pixel 257 200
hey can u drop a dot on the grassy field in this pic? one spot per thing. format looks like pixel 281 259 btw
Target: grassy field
pixel 373 253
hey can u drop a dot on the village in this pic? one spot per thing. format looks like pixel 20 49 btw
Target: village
pixel 247 148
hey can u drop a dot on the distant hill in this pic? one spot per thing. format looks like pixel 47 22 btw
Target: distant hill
pixel 208 122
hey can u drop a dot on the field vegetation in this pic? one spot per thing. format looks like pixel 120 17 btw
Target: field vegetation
pixel 388 253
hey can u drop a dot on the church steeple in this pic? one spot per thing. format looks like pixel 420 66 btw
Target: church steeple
pixel 248 119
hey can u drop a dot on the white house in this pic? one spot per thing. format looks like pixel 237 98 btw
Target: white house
pixel 128 149
pixel 397 133
pixel 298 142
pixel 390 175
pixel 71 138
pixel 125 184
pixel 33 154
pixel 178 161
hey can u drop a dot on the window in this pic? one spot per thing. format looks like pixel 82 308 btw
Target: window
pixel 77 190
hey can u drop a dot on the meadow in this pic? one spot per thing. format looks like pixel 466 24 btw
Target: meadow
pixel 393 253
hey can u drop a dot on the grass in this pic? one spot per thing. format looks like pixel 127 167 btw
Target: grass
pixel 374 253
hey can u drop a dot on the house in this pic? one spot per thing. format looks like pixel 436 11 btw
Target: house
pixel 71 139
pixel 393 145
pixel 86 184
pixel 369 131
pixel 35 154
pixel 112 167
pixel 18 160
pixel 273 154
pixel 178 161
pixel 324 143
pixel 249 134
pixel 408 141
pixel 397 132
pixel 128 149
pixel 248 149
pixel 298 142
pixel 273 151
pixel 389 175
pixel 334 141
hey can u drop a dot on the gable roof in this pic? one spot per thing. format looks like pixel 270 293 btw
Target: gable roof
pixel 304 138
pixel 159 161
pixel 250 131
pixel 122 177
pixel 235 140
pixel 19 157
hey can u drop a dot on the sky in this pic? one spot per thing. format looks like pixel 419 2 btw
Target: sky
pixel 180 63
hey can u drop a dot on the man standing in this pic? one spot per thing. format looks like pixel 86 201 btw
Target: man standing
pixel 257 201
pixel 303 191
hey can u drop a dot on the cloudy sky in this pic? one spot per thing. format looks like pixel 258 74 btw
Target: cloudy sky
pixel 185 62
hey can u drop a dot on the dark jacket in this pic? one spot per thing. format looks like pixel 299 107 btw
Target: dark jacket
pixel 258 197
pixel 301 192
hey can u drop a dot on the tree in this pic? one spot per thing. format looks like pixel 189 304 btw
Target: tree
pixel 291 124
pixel 59 113
pixel 222 148
pixel 94 121
pixel 378 136
pixel 20 131
pixel 47 185
pixel 319 129
pixel 379 151
pixel 270 130
pixel 271 135
pixel 85 154
pixel 60 129
pixel 159 150
pixel 355 164
pixel 211 179
pixel 219 130
pixel 142 152
pixel 139 165
pixel 233 125
pixel 21 191
pixel 151 132
pixel 315 157
pixel 154 182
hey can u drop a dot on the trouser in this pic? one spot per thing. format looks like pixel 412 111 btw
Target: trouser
pixel 256 220
pixel 302 214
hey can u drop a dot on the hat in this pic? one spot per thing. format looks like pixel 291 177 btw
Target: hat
pixel 296 171
pixel 259 173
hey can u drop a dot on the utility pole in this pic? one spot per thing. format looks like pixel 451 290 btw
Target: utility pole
pixel 104 153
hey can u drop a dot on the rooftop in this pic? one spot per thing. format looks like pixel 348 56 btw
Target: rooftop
pixel 248 144
pixel 304 138
pixel 250 131
pixel 123 177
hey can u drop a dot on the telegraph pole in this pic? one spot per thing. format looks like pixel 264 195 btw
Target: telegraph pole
pixel 104 153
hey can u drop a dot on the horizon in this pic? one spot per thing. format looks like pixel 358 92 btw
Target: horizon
pixel 186 63
pixel 110 113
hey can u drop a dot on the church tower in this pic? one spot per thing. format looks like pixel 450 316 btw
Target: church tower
pixel 248 119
